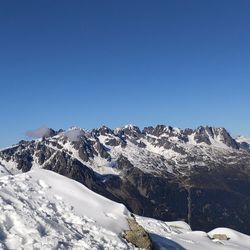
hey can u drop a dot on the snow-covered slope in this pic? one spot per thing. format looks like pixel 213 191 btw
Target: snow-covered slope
pixel 177 235
pixel 242 138
pixel 43 210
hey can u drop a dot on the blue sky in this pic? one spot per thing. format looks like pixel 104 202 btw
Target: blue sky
pixel 89 63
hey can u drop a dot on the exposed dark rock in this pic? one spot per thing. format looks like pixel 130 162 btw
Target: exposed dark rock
pixel 105 130
pixel 102 151
pixel 244 146
pixel 201 136
pixel 24 161
pixel 43 153
pixel 226 138
pixel 113 142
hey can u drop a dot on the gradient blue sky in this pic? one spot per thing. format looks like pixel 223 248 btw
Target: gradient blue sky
pixel 89 63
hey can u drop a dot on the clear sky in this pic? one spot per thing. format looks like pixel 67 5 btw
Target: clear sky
pixel 89 63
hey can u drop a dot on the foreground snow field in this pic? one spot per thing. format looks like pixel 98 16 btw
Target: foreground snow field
pixel 178 236
pixel 43 210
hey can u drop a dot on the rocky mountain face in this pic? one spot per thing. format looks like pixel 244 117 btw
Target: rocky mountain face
pixel 198 175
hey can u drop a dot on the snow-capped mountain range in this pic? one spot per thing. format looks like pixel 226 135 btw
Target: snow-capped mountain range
pixel 201 176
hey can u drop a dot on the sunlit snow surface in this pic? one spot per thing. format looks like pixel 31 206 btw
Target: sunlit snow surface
pixel 43 210
pixel 178 235
pixel 243 139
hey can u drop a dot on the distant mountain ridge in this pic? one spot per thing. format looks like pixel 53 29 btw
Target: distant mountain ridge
pixel 162 172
